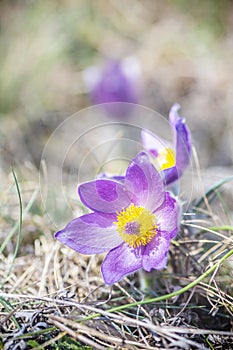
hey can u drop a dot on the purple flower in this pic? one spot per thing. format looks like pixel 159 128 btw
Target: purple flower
pixel 117 82
pixel 172 159
pixel 133 220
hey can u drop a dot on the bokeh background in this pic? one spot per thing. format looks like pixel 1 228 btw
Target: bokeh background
pixel 183 50
pixel 51 54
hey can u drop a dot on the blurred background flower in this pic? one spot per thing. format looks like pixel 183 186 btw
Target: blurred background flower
pixel 117 81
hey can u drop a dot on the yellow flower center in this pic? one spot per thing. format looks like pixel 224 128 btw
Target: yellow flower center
pixel 136 225
pixel 166 158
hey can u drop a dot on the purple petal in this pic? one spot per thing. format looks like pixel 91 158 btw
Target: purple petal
pixel 167 216
pixel 170 175
pixel 104 195
pixel 90 234
pixel 120 262
pixel 152 143
pixel 145 182
pixel 183 146
pixel 155 254
pixel 118 178
pixel 173 115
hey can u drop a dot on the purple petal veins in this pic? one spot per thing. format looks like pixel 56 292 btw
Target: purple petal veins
pixel 104 195
pixel 90 234
pixel 155 253
pixel 145 182
pixel 119 262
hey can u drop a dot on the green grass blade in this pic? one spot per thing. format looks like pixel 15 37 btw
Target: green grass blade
pixel 212 190
pixel 20 222
pixel 8 307
pixel 16 226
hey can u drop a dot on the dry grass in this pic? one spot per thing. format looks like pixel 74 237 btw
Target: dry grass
pixel 54 298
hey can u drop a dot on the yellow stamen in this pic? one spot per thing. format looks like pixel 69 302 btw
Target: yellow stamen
pixel 166 158
pixel 136 225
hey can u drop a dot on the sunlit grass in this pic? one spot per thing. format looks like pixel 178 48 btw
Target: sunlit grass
pixel 55 297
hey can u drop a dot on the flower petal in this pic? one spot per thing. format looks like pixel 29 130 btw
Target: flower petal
pixel 118 178
pixel 152 143
pixel 167 216
pixel 145 182
pixel 170 175
pixel 183 146
pixel 90 234
pixel 120 262
pixel 104 195
pixel 155 254
pixel 173 115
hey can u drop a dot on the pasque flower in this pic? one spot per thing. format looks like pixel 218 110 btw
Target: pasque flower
pixel 172 159
pixel 118 81
pixel 133 220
